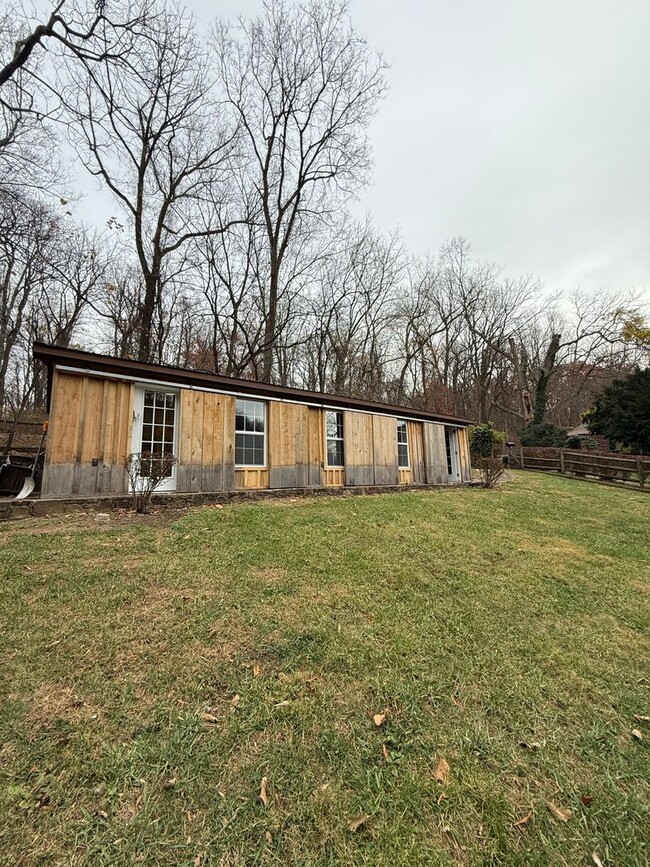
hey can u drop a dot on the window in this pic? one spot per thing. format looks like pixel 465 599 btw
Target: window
pixel 158 423
pixel 402 444
pixel 250 427
pixel 334 435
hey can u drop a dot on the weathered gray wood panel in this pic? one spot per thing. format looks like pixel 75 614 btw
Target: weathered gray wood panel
pixel 435 454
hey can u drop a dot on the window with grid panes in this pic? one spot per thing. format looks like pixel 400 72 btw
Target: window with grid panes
pixel 402 444
pixel 158 423
pixel 250 433
pixel 334 436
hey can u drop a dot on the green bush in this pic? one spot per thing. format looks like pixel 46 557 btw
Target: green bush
pixel 622 413
pixel 483 438
pixel 543 435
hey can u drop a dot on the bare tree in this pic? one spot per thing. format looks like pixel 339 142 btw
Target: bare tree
pixel 153 135
pixel 304 86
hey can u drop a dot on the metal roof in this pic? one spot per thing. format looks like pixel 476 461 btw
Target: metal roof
pixel 92 362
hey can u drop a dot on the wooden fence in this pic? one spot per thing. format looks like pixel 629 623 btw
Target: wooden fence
pixel 624 470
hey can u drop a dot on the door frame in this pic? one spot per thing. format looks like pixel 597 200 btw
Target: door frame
pixel 454 449
pixel 136 432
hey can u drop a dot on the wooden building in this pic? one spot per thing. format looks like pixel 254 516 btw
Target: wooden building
pixel 231 433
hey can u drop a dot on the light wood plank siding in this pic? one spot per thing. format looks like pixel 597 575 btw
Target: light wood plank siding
pixel 90 421
pixel 206 441
pixel 416 452
pixel 294 445
pixel 358 447
pixel 465 460
pixel 384 439
pixel 435 454
pixel 334 477
pixel 251 477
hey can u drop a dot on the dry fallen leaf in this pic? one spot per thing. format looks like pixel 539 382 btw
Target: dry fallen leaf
pixel 209 717
pixel 268 837
pixel 199 859
pixel 257 669
pixel 384 752
pixel 357 823
pixel 441 797
pixel 264 798
pixel 596 860
pixel 234 701
pixel 442 771
pixel 521 823
pixel 379 718
pixel 639 718
pixel 587 800
pixel 170 783
pixel 534 745
pixel 637 734
pixel 558 812
pixel 284 703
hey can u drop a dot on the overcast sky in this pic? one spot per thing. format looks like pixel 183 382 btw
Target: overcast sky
pixel 522 125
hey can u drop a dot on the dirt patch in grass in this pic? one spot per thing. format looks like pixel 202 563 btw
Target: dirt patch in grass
pixel 56 701
pixel 269 574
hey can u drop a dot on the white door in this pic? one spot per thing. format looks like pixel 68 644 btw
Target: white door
pixel 155 423
pixel 453 456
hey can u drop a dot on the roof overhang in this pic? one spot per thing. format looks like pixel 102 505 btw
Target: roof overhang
pixel 79 361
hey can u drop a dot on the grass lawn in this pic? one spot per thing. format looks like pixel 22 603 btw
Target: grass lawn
pixel 154 671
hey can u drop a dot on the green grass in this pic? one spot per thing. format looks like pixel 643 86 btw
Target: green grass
pixel 505 631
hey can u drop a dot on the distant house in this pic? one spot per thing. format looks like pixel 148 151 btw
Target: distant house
pixel 230 434
pixel 583 432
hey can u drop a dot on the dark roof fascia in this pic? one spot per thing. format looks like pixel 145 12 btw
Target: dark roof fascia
pixel 53 355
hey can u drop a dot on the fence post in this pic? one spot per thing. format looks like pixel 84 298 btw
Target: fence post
pixel 639 467
pixel 522 456
pixel 561 460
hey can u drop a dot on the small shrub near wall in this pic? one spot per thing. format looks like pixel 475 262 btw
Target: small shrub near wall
pixel 146 472
pixel 484 440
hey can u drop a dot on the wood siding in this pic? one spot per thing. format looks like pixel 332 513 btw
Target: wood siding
pixel 416 452
pixel 294 445
pixel 358 448
pixel 206 442
pixel 384 439
pixel 334 477
pixel 463 449
pixel 251 477
pixel 435 454
pixel 90 423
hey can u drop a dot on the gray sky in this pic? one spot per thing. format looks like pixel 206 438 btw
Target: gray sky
pixel 522 125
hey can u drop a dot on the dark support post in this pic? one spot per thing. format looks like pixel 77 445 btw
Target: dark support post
pixel 522 457
pixel 561 460
pixel 639 467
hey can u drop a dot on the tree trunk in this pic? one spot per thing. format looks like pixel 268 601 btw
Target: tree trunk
pixel 146 317
pixel 271 322
pixel 524 393
pixel 543 379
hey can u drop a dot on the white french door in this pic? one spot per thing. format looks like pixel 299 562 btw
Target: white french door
pixel 453 456
pixel 155 424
